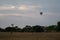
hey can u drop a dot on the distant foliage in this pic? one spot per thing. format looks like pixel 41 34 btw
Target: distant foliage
pixel 2 30
pixel 27 28
pixel 58 26
pixel 51 28
pixel 12 29
pixel 36 28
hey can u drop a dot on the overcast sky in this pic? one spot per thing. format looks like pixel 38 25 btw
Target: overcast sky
pixel 26 12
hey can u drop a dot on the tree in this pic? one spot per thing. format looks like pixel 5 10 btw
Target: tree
pixel 37 28
pixel 8 29
pixel 51 28
pixel 27 28
pixel 17 29
pixel 12 25
pixel 13 29
pixel 58 26
pixel 2 30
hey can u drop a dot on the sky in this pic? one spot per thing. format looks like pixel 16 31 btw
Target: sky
pixel 27 12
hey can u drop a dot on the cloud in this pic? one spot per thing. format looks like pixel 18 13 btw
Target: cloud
pixel 28 7
pixel 19 7
pixel 8 7
pixel 17 15
pixel 12 15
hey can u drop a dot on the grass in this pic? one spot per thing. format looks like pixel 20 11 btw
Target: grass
pixel 30 36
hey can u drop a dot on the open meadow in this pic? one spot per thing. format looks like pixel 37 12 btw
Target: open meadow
pixel 29 36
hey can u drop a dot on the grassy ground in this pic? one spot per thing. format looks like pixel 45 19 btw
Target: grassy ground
pixel 29 36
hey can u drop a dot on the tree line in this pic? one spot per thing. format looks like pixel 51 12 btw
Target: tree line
pixel 36 28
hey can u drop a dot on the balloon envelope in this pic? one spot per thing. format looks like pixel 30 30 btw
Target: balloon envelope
pixel 41 13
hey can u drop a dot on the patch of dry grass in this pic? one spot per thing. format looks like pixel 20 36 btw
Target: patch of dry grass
pixel 30 36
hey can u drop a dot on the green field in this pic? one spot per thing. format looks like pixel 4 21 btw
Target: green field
pixel 30 36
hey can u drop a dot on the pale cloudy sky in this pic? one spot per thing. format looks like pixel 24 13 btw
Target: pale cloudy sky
pixel 26 12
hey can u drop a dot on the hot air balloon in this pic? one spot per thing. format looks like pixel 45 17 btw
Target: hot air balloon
pixel 41 13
